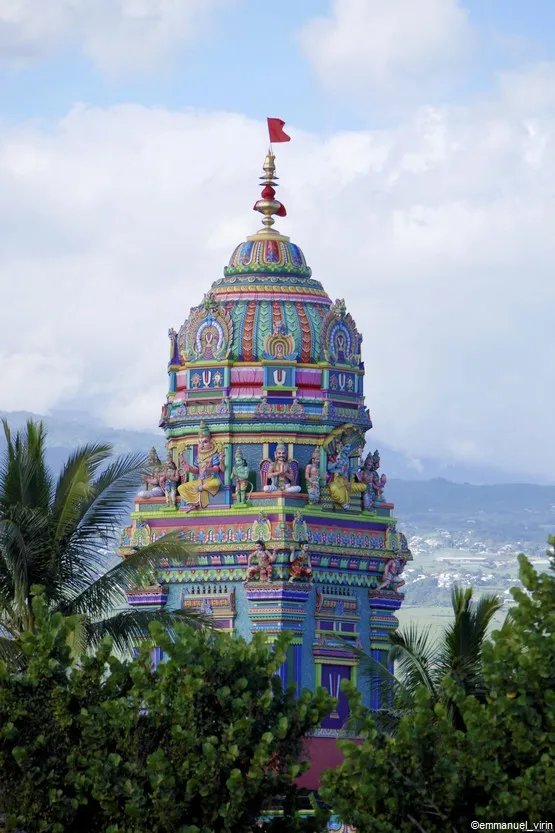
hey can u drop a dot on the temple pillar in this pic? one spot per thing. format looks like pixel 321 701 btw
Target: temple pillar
pixel 274 608
pixel 383 604
pixel 336 625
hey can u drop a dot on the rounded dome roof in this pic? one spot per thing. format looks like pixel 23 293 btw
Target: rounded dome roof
pixel 267 257
pixel 268 285
pixel 267 292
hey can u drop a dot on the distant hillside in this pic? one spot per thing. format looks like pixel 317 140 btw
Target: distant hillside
pixel 516 512
pixel 67 429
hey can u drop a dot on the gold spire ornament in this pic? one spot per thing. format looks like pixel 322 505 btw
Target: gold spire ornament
pixel 268 206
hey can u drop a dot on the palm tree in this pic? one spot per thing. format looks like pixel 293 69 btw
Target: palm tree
pixel 421 660
pixel 52 532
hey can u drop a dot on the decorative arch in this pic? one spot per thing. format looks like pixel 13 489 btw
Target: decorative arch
pixel 208 332
pixel 340 338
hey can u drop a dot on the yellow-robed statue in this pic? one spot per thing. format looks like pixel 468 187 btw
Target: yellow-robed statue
pixel 208 465
pixel 340 445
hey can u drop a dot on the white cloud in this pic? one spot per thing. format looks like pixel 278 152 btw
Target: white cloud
pixel 438 232
pixel 114 34
pixel 378 47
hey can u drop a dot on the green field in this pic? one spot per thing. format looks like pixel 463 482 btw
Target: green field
pixel 435 617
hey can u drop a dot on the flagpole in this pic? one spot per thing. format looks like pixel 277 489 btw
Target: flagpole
pixel 268 206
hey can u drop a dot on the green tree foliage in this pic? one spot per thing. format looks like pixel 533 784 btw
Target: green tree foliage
pixel 437 775
pixel 201 745
pixel 420 660
pixel 51 533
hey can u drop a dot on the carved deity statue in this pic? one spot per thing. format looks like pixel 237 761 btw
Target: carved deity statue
pixel 208 466
pixel 240 473
pixel 391 575
pixel 312 474
pixel 280 475
pixel 373 482
pixel 171 482
pixel 264 560
pixel 342 483
pixel 299 564
pixel 151 475
pixel 299 527
pixel 174 350
pixel 261 528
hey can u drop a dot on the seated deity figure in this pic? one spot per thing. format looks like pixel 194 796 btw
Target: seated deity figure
pixel 312 474
pixel 264 560
pixel 299 564
pixel 280 475
pixel 240 473
pixel 208 465
pixel 341 485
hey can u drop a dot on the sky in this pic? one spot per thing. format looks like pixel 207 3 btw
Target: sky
pixel 419 182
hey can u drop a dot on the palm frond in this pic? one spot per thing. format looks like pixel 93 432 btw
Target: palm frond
pixel 486 607
pixel 128 628
pixel 94 520
pixel 465 636
pixel 460 655
pixel 53 535
pixel 38 496
pixel 24 475
pixel 108 506
pixel 11 653
pixel 414 653
pixel 108 591
pixel 384 684
pixel 75 486
pixel 23 532
pixel 508 621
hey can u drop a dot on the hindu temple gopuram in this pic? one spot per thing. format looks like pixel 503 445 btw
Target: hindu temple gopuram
pixel 268 475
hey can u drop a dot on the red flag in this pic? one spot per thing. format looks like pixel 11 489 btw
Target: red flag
pixel 275 129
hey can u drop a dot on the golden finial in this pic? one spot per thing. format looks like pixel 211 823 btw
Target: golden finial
pixel 268 205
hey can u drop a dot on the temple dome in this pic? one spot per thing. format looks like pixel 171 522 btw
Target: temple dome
pixel 267 286
pixel 267 292
pixel 265 256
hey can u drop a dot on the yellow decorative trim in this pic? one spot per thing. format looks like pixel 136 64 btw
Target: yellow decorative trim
pixel 310 365
pixel 250 438
pixel 269 289
pixel 318 660
pixel 266 439
pixel 312 513
pixel 204 363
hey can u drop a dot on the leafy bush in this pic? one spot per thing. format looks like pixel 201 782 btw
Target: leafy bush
pixel 204 743
pixel 496 763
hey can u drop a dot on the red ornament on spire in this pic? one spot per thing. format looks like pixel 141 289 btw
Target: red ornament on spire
pixel 268 206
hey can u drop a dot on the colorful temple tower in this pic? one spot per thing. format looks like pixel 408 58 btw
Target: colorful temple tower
pixel 266 474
